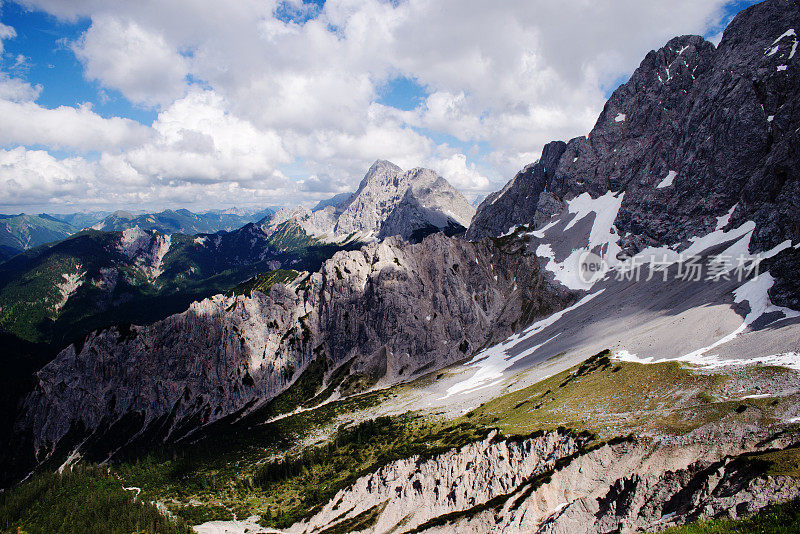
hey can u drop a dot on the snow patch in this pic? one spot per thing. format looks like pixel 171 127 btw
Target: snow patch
pixel 540 232
pixel 493 361
pixel 722 222
pixel 789 360
pixel 625 356
pixel 667 181
pixel 620 117
pixel 755 292
pixel 510 231
pixel 782 68
pixel 605 209
pixel 602 238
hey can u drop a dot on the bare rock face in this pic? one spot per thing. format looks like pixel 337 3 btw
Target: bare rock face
pixel 314 223
pixel 392 308
pixel 388 202
pixel 693 133
pixel 413 491
pixel 553 483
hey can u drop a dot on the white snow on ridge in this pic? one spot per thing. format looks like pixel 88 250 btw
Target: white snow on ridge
pixel 602 238
pixel 773 49
pixel 510 231
pixel 667 181
pixel 605 209
pixel 493 361
pixel 620 117
pixel 790 360
pixel 722 222
pixel 540 232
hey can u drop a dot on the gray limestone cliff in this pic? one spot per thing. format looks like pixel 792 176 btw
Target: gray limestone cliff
pixel 392 310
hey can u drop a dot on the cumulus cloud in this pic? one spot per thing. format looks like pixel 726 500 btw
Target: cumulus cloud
pixel 137 61
pixel 65 127
pixel 6 32
pixel 199 141
pixel 33 176
pixel 16 90
pixel 464 176
pixel 283 82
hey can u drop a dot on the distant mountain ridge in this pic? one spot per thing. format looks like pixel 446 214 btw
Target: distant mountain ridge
pixel 24 231
pixel 21 232
pixel 388 201
pixel 57 293
pixel 181 221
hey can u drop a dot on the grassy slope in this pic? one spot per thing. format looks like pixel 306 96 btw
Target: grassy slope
pixel 605 397
pixel 263 281
pixel 612 398
pixel 22 232
pixel 779 519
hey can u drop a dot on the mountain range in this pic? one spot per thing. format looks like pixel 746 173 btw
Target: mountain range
pixel 609 344
pixel 23 232
pixel 180 221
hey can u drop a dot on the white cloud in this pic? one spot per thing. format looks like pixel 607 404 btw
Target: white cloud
pixel 511 77
pixel 16 90
pixel 65 127
pixel 199 141
pixel 135 60
pixel 34 176
pixel 6 32
pixel 462 175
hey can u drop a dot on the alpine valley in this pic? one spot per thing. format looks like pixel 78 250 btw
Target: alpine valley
pixel 395 360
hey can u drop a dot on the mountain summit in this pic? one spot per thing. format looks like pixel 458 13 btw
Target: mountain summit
pixel 389 201
pixel 697 133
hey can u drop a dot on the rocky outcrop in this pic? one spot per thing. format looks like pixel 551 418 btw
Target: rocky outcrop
pixel 314 223
pixel 388 202
pixel 414 490
pixel 392 309
pixel 553 483
pixel 693 133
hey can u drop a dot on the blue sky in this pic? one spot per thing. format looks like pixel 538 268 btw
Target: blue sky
pixel 44 41
pixel 401 87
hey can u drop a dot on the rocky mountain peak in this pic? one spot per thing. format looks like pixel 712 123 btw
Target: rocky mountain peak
pixel 380 173
pixel 387 202
pixel 697 132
